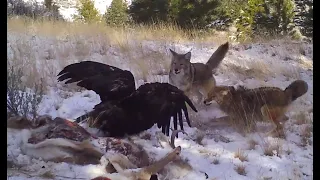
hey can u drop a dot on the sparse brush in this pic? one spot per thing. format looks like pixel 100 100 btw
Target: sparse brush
pixel 241 155
pixel 270 149
pixel 252 144
pixel 241 169
pixel 20 102
pixel 305 134
pixel 301 118
pixel 289 71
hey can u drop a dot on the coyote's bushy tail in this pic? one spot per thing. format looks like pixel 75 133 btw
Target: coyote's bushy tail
pixel 218 56
pixel 296 89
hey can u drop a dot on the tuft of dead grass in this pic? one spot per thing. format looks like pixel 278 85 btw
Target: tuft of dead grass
pixel 241 170
pixel 240 154
pixel 271 149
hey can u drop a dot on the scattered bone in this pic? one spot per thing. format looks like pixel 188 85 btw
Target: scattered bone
pixel 120 163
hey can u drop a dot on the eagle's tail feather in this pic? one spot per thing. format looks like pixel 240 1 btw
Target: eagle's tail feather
pixel 82 118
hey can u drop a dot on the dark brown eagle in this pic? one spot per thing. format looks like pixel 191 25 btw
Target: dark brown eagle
pixel 123 108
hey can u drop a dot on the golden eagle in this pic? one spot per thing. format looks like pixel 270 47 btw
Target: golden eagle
pixel 123 108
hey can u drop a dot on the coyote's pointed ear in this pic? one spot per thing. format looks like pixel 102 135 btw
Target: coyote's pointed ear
pixel 187 56
pixel 229 89
pixel 172 52
pixel 224 92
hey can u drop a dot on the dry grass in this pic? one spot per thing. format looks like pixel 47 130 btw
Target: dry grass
pixel 45 47
pixel 241 169
pixel 266 65
pixel 305 63
pixel 159 32
pixel 271 149
pixel 302 118
pixel 45 56
pixel 258 69
pixel 53 45
pixel 240 154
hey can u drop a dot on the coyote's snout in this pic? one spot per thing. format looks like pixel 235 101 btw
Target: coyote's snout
pixel 177 71
pixel 195 77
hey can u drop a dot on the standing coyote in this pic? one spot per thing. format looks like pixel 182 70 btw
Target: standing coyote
pixel 258 104
pixel 195 77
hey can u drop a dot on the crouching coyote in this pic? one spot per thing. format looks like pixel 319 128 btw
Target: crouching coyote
pixel 245 106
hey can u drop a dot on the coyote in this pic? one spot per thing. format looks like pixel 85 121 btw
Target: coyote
pixel 195 77
pixel 245 106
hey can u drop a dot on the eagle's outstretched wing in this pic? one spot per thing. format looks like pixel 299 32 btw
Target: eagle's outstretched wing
pixel 151 103
pixel 111 83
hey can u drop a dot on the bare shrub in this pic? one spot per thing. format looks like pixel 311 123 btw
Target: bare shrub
pixel 21 101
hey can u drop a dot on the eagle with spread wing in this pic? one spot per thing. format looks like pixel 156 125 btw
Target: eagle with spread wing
pixel 123 108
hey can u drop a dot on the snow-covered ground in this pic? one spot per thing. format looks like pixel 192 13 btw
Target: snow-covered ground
pixel 273 64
